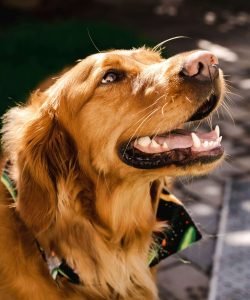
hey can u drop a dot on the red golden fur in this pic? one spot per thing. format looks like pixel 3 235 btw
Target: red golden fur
pixel 75 195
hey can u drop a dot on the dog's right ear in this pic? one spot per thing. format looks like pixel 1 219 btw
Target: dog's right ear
pixel 47 155
pixel 43 152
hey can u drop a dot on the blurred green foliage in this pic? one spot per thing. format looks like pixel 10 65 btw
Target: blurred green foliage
pixel 30 52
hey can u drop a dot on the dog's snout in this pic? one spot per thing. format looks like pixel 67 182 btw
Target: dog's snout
pixel 201 65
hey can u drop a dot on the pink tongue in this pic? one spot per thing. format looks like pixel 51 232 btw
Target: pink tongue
pixel 178 141
pixel 175 141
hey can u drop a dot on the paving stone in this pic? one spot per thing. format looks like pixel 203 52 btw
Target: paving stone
pixel 206 216
pixel 226 170
pixel 246 140
pixel 184 282
pixel 207 190
pixel 234 148
pixel 246 123
pixel 184 195
pixel 231 271
pixel 201 253
pixel 239 112
pixel 243 162
pixel 231 130
pixel 170 262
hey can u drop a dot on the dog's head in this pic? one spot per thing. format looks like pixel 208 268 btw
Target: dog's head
pixel 118 113
pixel 124 110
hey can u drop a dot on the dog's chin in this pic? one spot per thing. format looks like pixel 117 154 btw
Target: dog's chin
pixel 180 148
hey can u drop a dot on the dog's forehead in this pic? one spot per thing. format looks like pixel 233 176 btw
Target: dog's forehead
pixel 142 55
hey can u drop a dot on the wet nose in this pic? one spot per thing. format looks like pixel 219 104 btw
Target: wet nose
pixel 202 65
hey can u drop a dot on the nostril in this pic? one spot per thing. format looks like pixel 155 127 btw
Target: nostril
pixel 200 65
pixel 200 68
pixel 192 71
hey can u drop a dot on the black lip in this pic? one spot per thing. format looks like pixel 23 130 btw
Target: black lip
pixel 178 157
pixel 205 109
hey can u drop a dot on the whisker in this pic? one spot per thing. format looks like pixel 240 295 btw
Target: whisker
pixel 229 82
pixel 138 133
pixel 188 99
pixel 156 132
pixel 92 40
pixel 226 108
pixel 162 109
pixel 98 177
pixel 210 121
pixel 106 183
pixel 228 98
pixel 199 124
pixel 143 121
pixel 155 48
pixel 218 114
pixel 144 115
pixel 238 95
pixel 158 99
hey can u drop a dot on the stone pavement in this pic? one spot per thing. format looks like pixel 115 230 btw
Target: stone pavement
pixel 231 267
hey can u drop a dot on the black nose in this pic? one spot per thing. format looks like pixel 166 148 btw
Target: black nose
pixel 201 65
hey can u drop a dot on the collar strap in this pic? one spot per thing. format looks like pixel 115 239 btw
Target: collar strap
pixel 58 268
pixel 179 233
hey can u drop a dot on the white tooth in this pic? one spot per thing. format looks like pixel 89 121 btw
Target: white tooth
pixel 196 140
pixel 220 139
pixel 217 130
pixel 211 143
pixel 144 141
pixel 205 144
pixel 165 145
pixel 154 144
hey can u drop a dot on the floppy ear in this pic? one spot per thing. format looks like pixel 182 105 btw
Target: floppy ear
pixel 46 154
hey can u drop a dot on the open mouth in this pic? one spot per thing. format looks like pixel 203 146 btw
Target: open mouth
pixel 178 147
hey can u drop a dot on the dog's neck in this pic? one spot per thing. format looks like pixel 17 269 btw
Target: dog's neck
pixel 117 234
pixel 126 208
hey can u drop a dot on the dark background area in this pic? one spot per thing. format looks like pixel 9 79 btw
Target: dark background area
pixel 40 37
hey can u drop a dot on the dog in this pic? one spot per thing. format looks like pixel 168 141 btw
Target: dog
pixel 86 159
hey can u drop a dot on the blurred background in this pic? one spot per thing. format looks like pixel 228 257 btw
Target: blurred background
pixel 38 38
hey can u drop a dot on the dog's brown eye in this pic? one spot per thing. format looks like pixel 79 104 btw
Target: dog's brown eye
pixel 112 76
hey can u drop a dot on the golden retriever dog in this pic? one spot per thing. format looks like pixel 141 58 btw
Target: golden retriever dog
pixel 87 157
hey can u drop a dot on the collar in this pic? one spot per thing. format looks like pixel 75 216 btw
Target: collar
pixel 178 234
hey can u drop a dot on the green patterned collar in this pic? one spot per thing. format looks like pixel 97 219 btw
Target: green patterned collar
pixel 180 233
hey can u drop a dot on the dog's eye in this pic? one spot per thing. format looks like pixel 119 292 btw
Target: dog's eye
pixel 112 76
